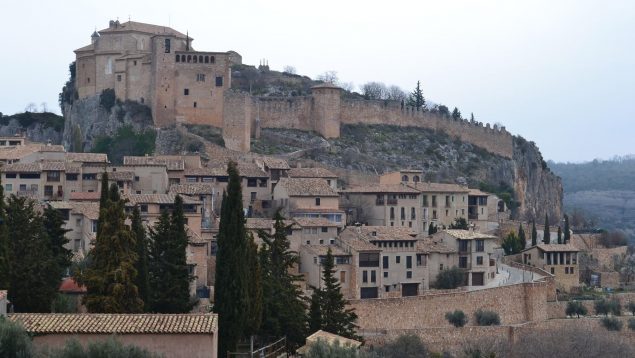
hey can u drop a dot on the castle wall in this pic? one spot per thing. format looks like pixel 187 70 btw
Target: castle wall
pixel 85 75
pixel 237 120
pixel 163 83
pixel 293 112
pixel 497 141
pixel 514 303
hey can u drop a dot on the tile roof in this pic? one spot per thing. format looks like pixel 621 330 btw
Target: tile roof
pixel 251 170
pixel 322 250
pixel 468 235
pixel 477 192
pixel 38 167
pixel 385 233
pixel 157 199
pixel 312 222
pixel 307 187
pixel 89 209
pixel 311 173
pixel 193 188
pixel 258 224
pixel 275 163
pixel 382 188
pixel 433 244
pixel 143 27
pixel 193 236
pixel 69 285
pixel 169 162
pixel 118 175
pixel 439 188
pixel 18 152
pixel 557 247
pixel 84 196
pixel 87 157
pixel 84 323
pixel 356 243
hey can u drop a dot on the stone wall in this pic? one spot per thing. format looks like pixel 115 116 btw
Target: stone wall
pixel 515 304
pixel 237 114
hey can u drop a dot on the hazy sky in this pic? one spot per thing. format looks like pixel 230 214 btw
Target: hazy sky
pixel 560 73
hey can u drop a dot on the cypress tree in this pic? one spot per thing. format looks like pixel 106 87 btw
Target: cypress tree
pixel 103 198
pixel 284 311
pixel 336 318
pixel 111 275
pixel 232 277
pixel 139 233
pixel 567 230
pixel 547 235
pixel 522 237
pixel 315 311
pixel 158 262
pixel 255 289
pixel 559 235
pixel 431 229
pixel 456 114
pixel 34 278
pixel 534 234
pixel 416 98
pixel 178 259
pixel 54 227
pixel 5 256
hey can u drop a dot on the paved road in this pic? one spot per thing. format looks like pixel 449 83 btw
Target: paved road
pixel 508 275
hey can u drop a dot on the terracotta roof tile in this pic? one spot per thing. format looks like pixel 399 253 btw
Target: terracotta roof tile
pixel 275 163
pixel 84 196
pixel 433 244
pixel 313 222
pixel 143 27
pixel 193 188
pixel 322 250
pixel 557 247
pixel 382 188
pixel 439 188
pixel 157 199
pixel 47 323
pixel 89 209
pixel 69 285
pixel 468 235
pixel 307 187
pixel 87 157
pixel 38 167
pixel 169 162
pixel 311 173
pixel 118 175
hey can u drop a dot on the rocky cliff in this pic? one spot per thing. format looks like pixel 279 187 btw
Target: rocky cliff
pixel 37 127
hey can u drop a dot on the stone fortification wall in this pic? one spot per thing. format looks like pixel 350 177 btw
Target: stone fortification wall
pixel 515 304
pixel 279 112
pixel 496 140
pixel 237 120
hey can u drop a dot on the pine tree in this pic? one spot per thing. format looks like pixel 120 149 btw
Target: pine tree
pixel 54 227
pixel 33 279
pixel 511 244
pixel 336 318
pixel 416 98
pixel 547 235
pixel 111 275
pixel 534 234
pixel 284 311
pixel 567 230
pixel 5 256
pixel 521 237
pixel 231 291
pixel 471 117
pixel 559 235
pixel 139 233
pixel 456 114
pixel 169 276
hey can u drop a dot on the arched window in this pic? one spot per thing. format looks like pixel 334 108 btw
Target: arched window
pixel 415 178
pixel 189 58
pixel 200 59
pixel 413 213
pixel 392 213
pixel 195 59
pixel 206 59
pixel 403 213
pixel 211 59
pixel 404 178
pixel 178 58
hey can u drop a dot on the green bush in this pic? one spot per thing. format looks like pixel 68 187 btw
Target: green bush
pixel 605 307
pixel 107 99
pixel 405 346
pixel 321 349
pixel 456 318
pixel 612 323
pixel 487 318
pixel 126 142
pixel 450 279
pixel 575 308
pixel 14 341
pixel 110 348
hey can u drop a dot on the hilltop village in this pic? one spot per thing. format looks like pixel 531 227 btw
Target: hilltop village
pixel 404 251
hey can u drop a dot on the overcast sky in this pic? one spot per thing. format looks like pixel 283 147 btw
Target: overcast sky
pixel 560 73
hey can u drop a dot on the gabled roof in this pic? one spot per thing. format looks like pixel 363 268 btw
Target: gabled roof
pixel 311 173
pixel 313 222
pixel 381 188
pixel 90 209
pixel 275 163
pixel 84 323
pixel 157 199
pixel 307 187
pixel 38 167
pixel 143 27
pixel 432 244
pixel 169 163
pixel 322 250
pixel 439 188
pixel 380 233
pixel 477 192
pixel 557 248
pixel 193 189
pixel 118 176
pixel 84 196
pixel 87 157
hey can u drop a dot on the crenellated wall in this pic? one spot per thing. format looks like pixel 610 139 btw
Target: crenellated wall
pixel 325 110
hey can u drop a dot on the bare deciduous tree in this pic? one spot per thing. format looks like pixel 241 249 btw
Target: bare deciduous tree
pixel 289 69
pixel 374 90
pixel 395 93
pixel 328 76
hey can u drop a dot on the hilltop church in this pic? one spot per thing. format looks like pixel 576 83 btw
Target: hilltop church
pixel 157 66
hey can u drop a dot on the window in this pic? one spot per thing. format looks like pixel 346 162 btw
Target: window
pixel 365 276
pixel 11 175
pixel 71 177
pixel 373 277
pixel 325 229
pixel 206 59
pixel 143 208
pixel 48 190
pixel 463 262
pixel 369 259
pixel 252 182
pixel 93 225
pixel 434 201
pixel 479 260
pixel 8 187
pixel 386 275
pixel 194 104
pixel 403 213
pixel 52 176
pixel 392 213
pixel 194 59
pixel 186 91
pixel 321 242
pixel 422 260
pixel 200 77
pixel 415 179
pixel 408 262
pixel 88 80
pixel 440 267
pixel 397 259
pixel 425 200
pixel 136 178
pixel 552 271
pixel 385 263
pixel 211 59
pixel 317 201
pixel 463 246
pixel 219 81
pixel 167 45
pixel 252 196
pixel 480 245
pixel 404 178
pixel 408 274
pixel 118 78
pixel 30 175
pixel 413 214
pixel 571 270
pixel 566 270
pixel 190 179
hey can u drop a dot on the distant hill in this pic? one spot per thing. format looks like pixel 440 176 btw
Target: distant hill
pixel 604 189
